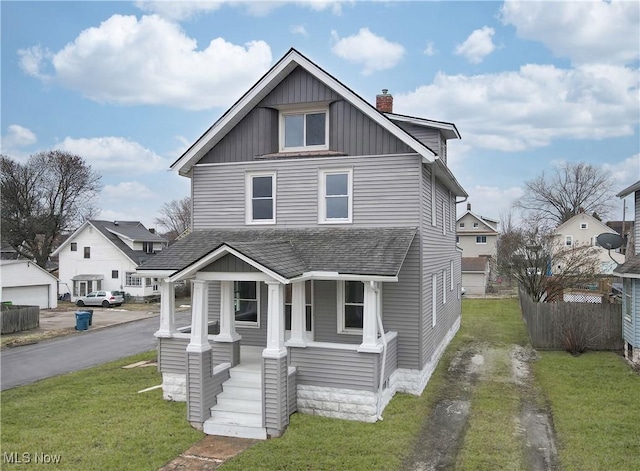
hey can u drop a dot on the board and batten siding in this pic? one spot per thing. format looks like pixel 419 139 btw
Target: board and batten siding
pixel 385 191
pixel 438 250
pixel 432 138
pixel 350 131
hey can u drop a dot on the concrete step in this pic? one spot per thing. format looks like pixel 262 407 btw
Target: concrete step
pixel 245 419
pixel 212 428
pixel 228 402
pixel 242 389
pixel 246 375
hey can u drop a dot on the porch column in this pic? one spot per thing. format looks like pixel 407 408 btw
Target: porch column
pixel 167 309
pixel 298 315
pixel 275 321
pixel 227 314
pixel 199 318
pixel 370 319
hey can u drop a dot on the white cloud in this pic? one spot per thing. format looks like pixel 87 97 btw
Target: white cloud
pixel 320 5
pixel 602 32
pixel 365 48
pixel 298 29
pixel 31 61
pixel 490 201
pixel 478 45
pixel 624 173
pixel 115 155
pixel 179 10
pixel 430 50
pixel 16 138
pixel 152 61
pixel 127 191
pixel 528 108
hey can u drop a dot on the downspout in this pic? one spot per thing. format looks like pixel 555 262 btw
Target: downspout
pixel 384 352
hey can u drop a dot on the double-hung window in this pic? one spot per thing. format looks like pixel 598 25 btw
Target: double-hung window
pixel 350 306
pixel 303 131
pixel 261 198
pixel 336 196
pixel 245 301
pixel 481 239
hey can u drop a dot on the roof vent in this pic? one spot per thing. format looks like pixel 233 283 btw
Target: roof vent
pixel 115 223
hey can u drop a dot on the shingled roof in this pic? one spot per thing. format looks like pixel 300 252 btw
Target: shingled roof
pixel 631 266
pixel 292 252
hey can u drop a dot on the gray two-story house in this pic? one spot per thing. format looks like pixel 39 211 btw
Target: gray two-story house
pixel 322 255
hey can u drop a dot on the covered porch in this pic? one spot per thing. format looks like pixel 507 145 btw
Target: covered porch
pixel 276 341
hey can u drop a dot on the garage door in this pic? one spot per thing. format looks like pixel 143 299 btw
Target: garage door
pixel 28 295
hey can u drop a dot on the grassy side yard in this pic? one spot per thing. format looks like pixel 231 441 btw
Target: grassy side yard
pixel 95 420
pixel 595 400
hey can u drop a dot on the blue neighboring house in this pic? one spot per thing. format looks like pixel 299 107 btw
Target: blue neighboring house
pixel 630 273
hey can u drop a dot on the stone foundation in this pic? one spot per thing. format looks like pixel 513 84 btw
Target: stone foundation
pixel 174 387
pixel 349 404
pixel 632 354
pixel 414 381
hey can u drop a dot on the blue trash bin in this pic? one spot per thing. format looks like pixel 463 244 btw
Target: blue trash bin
pixel 82 320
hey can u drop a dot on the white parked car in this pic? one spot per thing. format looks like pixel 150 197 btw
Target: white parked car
pixel 100 298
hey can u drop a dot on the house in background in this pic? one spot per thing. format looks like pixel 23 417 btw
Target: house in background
pixel 23 282
pixel 626 231
pixel 477 236
pixel 582 230
pixel 630 273
pixel 326 273
pixel 103 255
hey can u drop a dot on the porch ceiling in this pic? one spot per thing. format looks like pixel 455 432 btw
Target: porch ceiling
pixel 293 252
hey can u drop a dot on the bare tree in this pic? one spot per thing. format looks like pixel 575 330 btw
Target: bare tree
pixel 543 266
pixel 572 188
pixel 42 199
pixel 175 217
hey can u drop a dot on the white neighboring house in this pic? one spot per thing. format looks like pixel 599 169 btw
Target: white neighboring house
pixel 477 236
pixel 103 255
pixel 23 282
pixel 582 230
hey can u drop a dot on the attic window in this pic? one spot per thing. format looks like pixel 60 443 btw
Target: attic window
pixel 74 246
pixel 475 224
pixel 304 131
pixel 462 224
pixel 584 225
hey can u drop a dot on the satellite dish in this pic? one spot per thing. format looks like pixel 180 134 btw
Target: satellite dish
pixel 610 241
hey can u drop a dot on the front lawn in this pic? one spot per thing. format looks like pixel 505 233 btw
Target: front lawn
pixel 95 420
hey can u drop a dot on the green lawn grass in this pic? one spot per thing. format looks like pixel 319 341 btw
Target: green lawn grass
pixel 95 420
pixel 595 400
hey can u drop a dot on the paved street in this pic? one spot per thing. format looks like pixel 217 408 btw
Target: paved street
pixel 24 365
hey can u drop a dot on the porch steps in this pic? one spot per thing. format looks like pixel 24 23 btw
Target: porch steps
pixel 238 412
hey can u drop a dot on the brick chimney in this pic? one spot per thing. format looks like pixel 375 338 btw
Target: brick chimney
pixel 384 102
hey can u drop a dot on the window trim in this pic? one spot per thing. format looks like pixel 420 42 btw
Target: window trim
pixel 444 287
pixel 434 300
pixel 340 290
pixel 585 224
pixel 116 273
pixel 444 218
pixel 87 252
pixel 322 190
pixel 249 176
pixel 480 237
pixel 476 225
pixel 462 225
pixel 434 221
pixel 304 112
pixel 451 274
pixel 73 247
pixel 130 275
pixel 248 324
pixel 568 241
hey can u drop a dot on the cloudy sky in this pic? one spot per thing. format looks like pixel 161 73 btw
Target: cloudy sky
pixel 130 85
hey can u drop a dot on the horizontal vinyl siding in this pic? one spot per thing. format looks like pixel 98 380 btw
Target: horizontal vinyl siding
pixel 335 368
pixel 172 355
pixel 211 386
pixel 325 315
pixel 429 137
pixel 438 251
pixel 391 363
pixel 385 191
pixel 275 397
pixel 194 388
pixel 254 336
pixel 401 308
pixel 214 301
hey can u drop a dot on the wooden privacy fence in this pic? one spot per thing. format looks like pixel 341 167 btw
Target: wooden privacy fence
pixel 547 323
pixel 19 318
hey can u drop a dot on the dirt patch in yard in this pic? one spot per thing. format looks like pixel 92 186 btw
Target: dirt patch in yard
pixel 443 432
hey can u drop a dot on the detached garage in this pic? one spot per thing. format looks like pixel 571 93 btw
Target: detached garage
pixel 24 282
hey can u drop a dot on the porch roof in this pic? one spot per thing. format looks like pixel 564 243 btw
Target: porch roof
pixel 293 252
